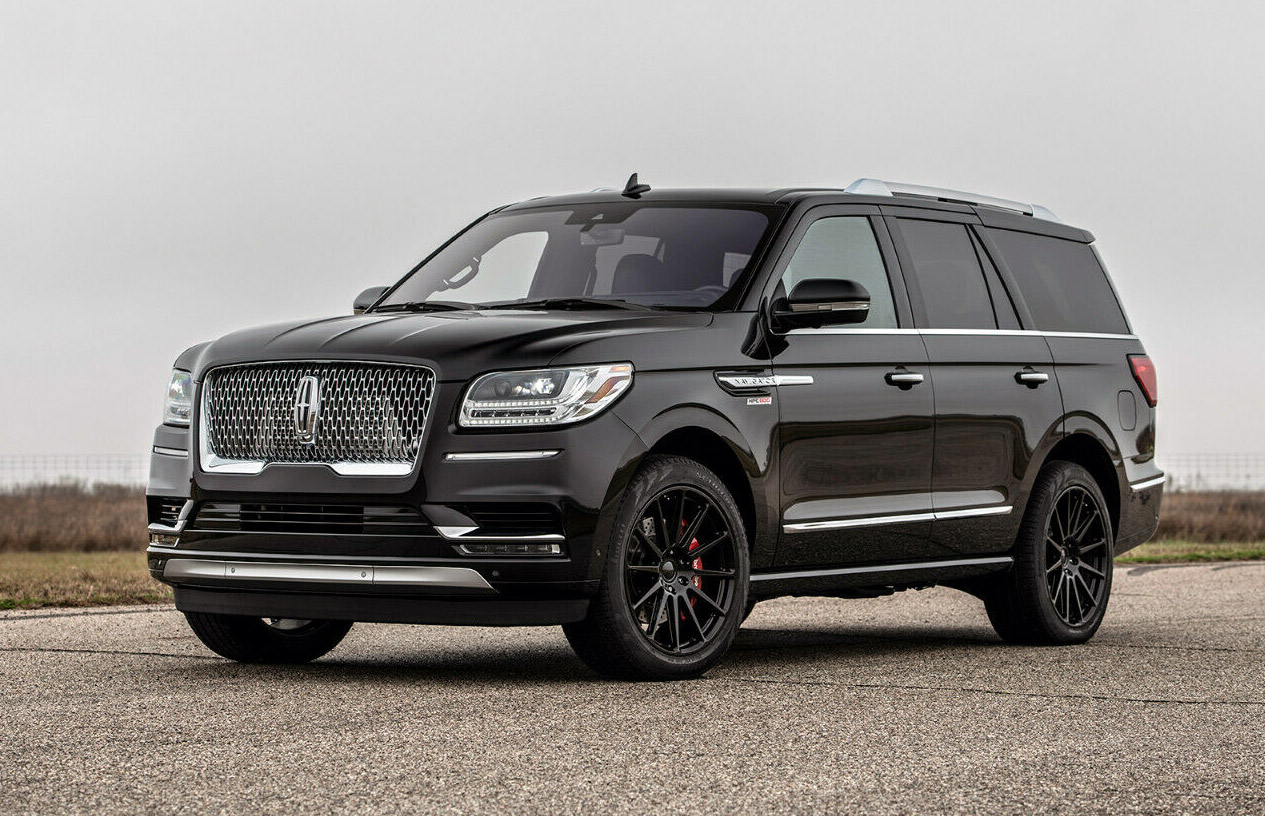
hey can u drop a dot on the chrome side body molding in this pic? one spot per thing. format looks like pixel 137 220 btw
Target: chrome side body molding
pixel 1000 560
pixel 904 518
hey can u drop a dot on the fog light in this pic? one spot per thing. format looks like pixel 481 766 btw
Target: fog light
pixel 160 540
pixel 511 548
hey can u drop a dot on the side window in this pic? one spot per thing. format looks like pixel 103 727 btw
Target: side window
pixel 1062 283
pixel 949 276
pixel 844 247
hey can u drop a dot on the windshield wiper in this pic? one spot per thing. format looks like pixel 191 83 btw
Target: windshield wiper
pixel 426 306
pixel 569 303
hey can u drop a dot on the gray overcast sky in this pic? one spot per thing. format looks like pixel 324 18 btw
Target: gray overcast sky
pixel 171 171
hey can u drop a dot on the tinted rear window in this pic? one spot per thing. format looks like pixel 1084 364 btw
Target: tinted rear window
pixel 1062 282
pixel 950 278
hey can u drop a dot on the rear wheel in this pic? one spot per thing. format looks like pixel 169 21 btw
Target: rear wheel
pixel 1058 588
pixel 674 587
pixel 267 640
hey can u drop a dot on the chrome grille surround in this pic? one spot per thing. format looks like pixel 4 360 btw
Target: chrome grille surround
pixel 371 423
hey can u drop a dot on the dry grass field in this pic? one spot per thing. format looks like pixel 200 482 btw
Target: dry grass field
pixel 64 545
pixel 72 518
pixel 34 579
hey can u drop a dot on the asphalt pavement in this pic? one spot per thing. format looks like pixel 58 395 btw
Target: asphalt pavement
pixel 905 704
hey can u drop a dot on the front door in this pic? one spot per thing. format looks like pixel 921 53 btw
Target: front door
pixel 856 407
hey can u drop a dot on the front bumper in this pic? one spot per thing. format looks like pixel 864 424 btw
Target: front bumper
pixel 460 559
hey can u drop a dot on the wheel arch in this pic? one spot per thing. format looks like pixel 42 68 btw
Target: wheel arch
pixel 711 440
pixel 1084 447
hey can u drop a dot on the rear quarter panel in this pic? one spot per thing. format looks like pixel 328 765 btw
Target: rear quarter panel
pixel 1102 399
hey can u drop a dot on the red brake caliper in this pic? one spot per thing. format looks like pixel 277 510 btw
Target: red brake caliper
pixel 697 564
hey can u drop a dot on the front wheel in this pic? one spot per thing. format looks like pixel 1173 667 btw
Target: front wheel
pixel 266 640
pixel 674 586
pixel 1058 588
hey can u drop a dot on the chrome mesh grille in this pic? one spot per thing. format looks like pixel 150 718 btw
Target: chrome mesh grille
pixel 369 413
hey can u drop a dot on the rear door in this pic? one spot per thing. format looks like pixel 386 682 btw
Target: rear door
pixel 996 393
pixel 855 443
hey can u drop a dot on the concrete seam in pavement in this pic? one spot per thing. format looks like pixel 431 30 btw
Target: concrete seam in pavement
pixel 104 652
pixel 1000 692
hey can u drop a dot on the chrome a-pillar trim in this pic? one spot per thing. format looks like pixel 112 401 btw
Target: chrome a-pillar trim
pixel 904 518
pixel 191 569
pixel 999 560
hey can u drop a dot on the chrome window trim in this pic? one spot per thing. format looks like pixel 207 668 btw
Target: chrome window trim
pixel 208 462
pixel 903 518
pixel 921 565
pixel 500 456
pixel 178 569
pixel 1147 484
pixel 971 333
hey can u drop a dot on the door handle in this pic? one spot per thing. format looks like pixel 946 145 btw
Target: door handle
pixel 903 379
pixel 1031 377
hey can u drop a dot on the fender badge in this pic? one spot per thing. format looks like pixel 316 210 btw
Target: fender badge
pixel 759 400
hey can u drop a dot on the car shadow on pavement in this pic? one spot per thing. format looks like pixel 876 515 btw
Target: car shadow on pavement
pixel 555 664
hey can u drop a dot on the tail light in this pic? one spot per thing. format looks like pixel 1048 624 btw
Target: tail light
pixel 1144 373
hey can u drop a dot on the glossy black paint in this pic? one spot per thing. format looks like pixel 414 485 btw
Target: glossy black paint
pixel 851 445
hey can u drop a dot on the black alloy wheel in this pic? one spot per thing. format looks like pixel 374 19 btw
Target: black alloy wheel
pixel 1057 590
pixel 1076 556
pixel 679 571
pixel 674 578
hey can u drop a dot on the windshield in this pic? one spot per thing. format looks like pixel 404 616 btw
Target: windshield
pixel 654 255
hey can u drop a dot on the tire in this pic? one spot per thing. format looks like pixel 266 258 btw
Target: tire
pixel 667 613
pixel 1057 590
pixel 260 640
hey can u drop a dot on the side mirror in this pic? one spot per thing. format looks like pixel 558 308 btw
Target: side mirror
pixel 823 302
pixel 367 298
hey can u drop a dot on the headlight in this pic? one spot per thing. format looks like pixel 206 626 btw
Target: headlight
pixel 179 405
pixel 547 397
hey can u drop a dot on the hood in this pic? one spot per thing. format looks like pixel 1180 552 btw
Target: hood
pixel 457 345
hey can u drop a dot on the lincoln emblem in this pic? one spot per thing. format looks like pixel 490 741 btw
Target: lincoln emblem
pixel 307 409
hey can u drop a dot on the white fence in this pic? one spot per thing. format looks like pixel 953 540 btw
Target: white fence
pixel 121 469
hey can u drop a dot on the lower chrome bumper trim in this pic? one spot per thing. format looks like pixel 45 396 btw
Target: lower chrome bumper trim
pixel 192 569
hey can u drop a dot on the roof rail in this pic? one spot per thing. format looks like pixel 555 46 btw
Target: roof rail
pixel 875 187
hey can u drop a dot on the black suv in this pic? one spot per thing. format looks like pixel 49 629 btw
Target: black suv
pixel 637 412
